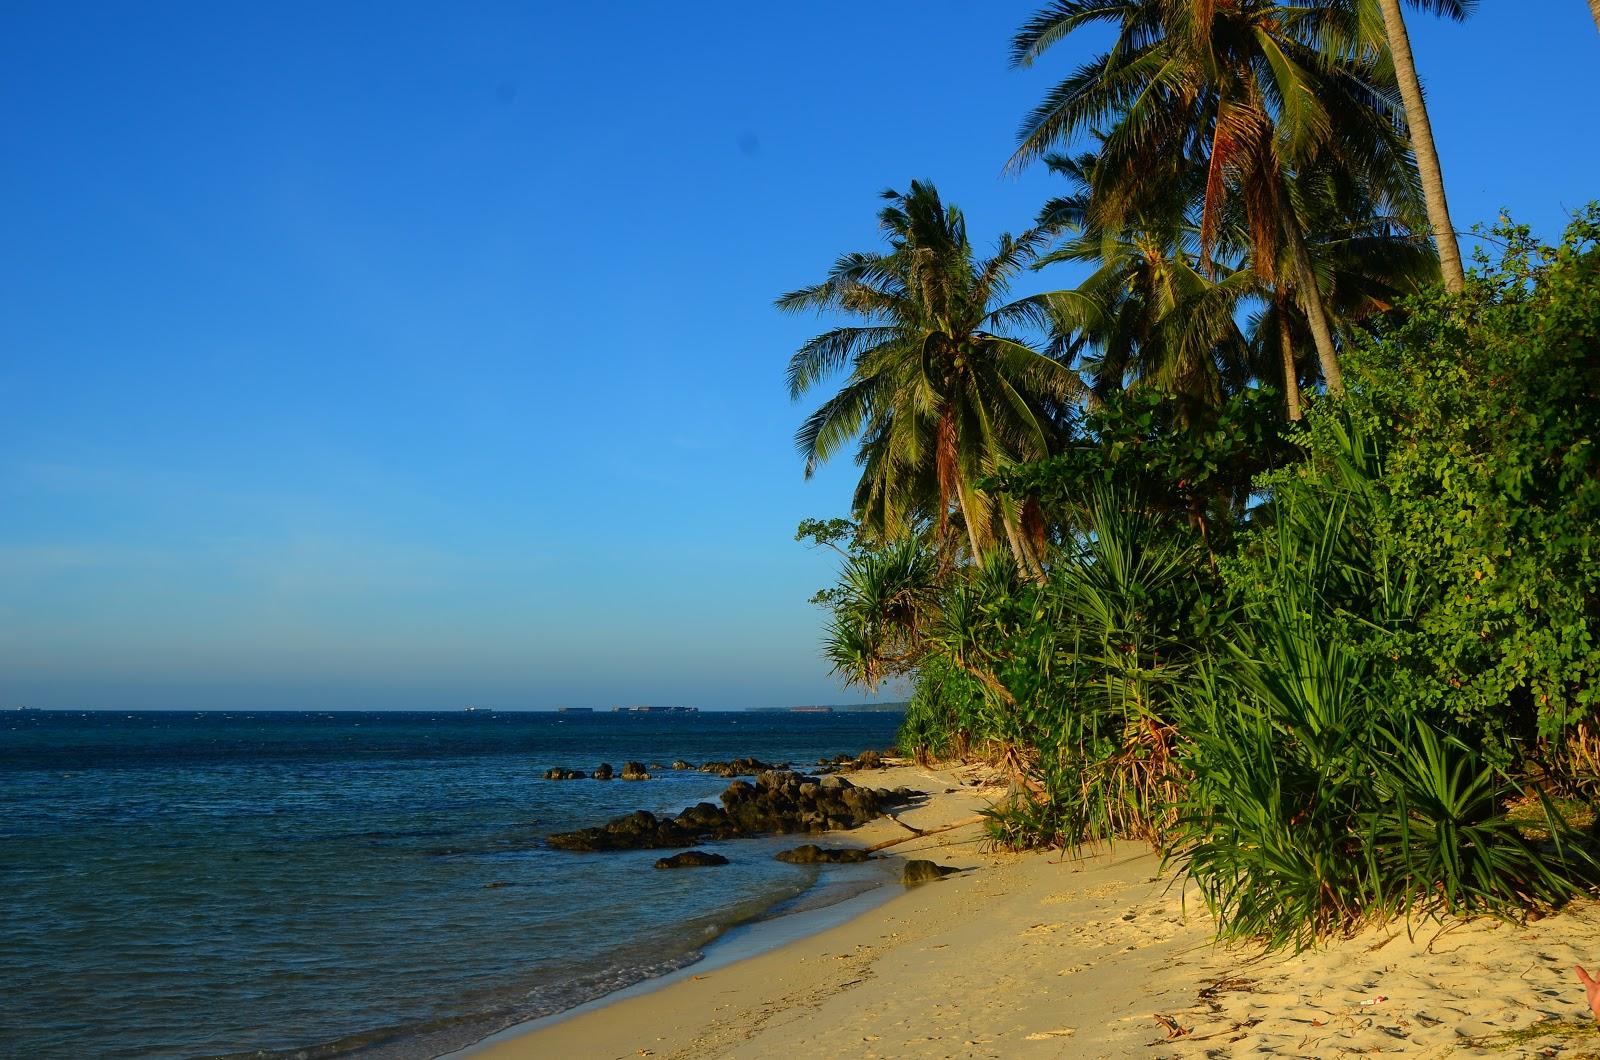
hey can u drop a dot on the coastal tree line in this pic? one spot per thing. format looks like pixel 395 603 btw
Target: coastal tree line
pixel 1272 542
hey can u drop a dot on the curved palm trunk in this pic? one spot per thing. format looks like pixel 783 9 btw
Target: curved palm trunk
pixel 1021 549
pixel 966 520
pixel 1291 377
pixel 1311 302
pixel 1444 232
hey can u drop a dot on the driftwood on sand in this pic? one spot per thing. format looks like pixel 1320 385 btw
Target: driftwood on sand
pixel 918 833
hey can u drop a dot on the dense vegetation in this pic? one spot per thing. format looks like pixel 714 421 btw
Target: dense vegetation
pixel 1272 542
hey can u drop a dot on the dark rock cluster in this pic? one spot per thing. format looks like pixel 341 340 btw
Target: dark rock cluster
pixel 852 763
pixel 778 801
pixel 739 767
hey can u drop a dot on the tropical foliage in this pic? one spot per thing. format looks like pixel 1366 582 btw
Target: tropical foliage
pixel 1267 542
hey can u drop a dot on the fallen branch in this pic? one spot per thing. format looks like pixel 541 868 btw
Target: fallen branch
pixel 974 819
pixel 902 824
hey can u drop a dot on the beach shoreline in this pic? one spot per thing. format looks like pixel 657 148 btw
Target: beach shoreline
pixel 1041 954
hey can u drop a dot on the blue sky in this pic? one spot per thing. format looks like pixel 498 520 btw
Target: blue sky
pixel 414 355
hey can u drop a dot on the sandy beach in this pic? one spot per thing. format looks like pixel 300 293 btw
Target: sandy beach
pixel 1044 955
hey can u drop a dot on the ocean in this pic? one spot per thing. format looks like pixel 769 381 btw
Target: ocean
pixel 280 884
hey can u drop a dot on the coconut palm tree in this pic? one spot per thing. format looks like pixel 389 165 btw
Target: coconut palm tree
pixel 1405 68
pixel 1242 90
pixel 942 388
pixel 1364 258
pixel 1146 315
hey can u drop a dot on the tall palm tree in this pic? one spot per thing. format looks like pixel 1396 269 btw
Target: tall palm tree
pixel 1241 89
pixel 942 387
pixel 1148 316
pixel 1364 259
pixel 1405 67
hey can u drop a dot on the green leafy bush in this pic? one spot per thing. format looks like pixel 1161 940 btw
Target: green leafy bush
pixel 1489 404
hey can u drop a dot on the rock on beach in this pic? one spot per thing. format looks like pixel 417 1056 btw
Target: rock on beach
pixel 924 872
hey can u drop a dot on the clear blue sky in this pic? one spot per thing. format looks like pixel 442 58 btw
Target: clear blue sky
pixel 419 355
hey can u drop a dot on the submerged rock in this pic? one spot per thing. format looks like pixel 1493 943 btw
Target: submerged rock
pixel 604 771
pixel 640 830
pixel 563 773
pixel 924 872
pixel 681 764
pixel 635 771
pixel 691 859
pixel 811 854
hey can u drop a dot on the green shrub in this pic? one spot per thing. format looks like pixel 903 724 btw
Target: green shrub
pixel 946 715
pixel 1320 795
pixel 1489 404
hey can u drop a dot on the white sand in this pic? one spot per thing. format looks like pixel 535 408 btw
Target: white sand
pixel 1036 955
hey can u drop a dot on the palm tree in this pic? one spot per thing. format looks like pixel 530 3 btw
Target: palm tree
pixel 1146 315
pixel 1594 9
pixel 942 390
pixel 1364 259
pixel 1241 90
pixel 1405 67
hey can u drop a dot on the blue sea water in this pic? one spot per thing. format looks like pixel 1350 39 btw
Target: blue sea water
pixel 331 884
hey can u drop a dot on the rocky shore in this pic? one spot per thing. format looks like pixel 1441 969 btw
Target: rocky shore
pixel 778 801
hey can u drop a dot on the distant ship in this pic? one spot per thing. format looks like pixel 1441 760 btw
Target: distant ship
pixel 655 710
pixel 477 710
pixel 574 710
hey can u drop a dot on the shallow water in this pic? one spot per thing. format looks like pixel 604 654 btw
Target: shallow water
pixel 326 884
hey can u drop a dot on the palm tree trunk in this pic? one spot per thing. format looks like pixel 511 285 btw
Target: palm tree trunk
pixel 1026 560
pixel 1291 377
pixel 1311 302
pixel 966 520
pixel 1405 68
